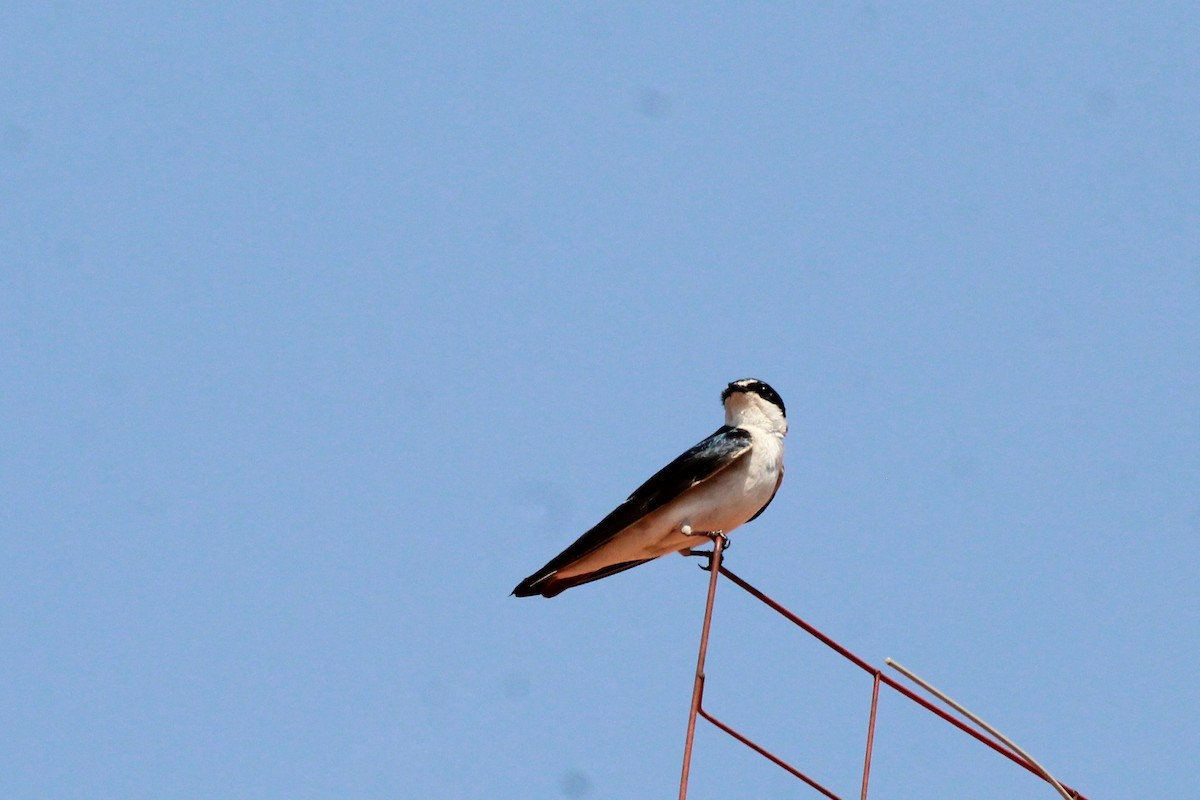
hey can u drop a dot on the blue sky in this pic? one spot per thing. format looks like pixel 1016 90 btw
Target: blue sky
pixel 321 327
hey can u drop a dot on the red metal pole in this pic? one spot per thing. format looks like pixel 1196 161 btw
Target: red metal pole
pixel 714 566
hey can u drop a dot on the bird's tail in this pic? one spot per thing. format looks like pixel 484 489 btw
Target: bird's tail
pixel 548 584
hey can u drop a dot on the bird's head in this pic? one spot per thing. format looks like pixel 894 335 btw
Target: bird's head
pixel 752 403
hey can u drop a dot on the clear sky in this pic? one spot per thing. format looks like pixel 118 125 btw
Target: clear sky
pixel 323 325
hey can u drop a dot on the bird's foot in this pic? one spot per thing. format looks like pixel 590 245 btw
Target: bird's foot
pixel 713 536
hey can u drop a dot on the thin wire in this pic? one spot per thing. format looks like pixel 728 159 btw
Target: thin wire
pixel 962 710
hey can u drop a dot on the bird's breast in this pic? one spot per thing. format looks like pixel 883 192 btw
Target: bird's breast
pixel 730 498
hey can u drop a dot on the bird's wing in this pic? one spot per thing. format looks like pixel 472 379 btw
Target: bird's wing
pixel 698 464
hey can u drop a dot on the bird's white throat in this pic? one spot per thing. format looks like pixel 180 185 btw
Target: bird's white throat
pixel 748 410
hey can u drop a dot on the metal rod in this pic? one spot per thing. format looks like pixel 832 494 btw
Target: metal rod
pixel 830 643
pixel 767 754
pixel 870 736
pixel 714 566
pixel 962 710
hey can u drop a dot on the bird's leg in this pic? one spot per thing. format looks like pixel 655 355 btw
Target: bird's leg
pixel 686 530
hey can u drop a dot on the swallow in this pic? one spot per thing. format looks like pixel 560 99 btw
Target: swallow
pixel 723 482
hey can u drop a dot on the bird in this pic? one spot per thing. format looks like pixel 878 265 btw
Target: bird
pixel 724 481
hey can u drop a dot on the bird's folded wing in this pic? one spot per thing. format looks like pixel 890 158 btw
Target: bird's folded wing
pixel 700 463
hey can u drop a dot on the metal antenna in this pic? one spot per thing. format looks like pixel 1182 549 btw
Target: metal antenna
pixel 979 730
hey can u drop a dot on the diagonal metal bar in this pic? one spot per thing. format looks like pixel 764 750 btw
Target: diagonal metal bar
pixel 795 620
pixel 767 754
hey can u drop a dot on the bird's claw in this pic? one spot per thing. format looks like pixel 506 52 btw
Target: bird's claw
pixel 713 536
